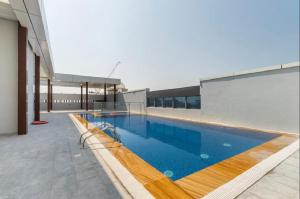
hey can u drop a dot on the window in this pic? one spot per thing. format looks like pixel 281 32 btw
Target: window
pixel 168 102
pixel 193 102
pixel 187 102
pixel 179 102
pixel 150 102
pixel 159 102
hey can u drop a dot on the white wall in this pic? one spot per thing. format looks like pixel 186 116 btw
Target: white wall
pixel 179 113
pixel 266 100
pixel 30 84
pixel 8 76
pixel 135 99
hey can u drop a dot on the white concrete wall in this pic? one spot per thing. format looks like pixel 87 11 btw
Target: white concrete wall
pixel 177 113
pixel 30 84
pixel 135 101
pixel 8 76
pixel 265 99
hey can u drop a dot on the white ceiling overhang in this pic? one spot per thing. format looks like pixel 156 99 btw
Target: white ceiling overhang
pixel 30 14
pixel 68 80
pixel 6 11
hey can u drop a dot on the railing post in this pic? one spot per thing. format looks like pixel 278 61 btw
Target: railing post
pixel 129 108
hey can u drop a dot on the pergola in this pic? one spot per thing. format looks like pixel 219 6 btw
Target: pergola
pixel 69 80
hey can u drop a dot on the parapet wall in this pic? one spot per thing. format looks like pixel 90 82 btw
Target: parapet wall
pixel 265 98
pixel 135 101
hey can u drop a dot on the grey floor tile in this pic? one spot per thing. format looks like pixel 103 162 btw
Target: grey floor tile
pixel 281 183
pixel 45 164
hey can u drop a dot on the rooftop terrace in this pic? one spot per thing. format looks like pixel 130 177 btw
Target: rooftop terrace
pixel 50 158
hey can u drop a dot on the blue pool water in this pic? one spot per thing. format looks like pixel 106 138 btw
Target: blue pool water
pixel 179 148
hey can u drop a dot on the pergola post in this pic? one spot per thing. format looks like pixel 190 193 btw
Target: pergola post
pixel 86 96
pixel 49 96
pixel 81 104
pixel 115 95
pixel 22 80
pixel 37 89
pixel 105 93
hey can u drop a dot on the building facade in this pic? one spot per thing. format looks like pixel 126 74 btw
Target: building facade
pixel 25 57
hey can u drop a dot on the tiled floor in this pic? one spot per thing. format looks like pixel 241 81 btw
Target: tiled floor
pixel 280 183
pixel 48 163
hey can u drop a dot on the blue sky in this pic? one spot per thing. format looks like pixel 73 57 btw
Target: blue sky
pixel 170 43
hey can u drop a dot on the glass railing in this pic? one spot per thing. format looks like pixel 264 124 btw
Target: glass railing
pixel 130 107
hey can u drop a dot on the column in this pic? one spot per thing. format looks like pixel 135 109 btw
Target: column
pixel 105 92
pixel 49 96
pixel 115 95
pixel 22 80
pixel 37 89
pixel 86 96
pixel 81 104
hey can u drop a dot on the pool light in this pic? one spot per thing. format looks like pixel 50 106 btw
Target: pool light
pixel 168 173
pixel 204 156
pixel 227 144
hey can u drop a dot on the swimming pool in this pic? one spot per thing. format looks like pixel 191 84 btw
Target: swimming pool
pixel 180 148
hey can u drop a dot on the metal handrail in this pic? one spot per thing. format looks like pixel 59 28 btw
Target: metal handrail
pixel 115 135
pixel 89 137
pixel 89 131
pixel 104 128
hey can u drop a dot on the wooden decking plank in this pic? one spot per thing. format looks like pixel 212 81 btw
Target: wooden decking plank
pixel 202 182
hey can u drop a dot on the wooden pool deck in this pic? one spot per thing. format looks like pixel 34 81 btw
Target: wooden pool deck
pixel 202 182
pixel 197 184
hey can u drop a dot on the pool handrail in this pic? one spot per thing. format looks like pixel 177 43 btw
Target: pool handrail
pixel 105 126
pixel 89 131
